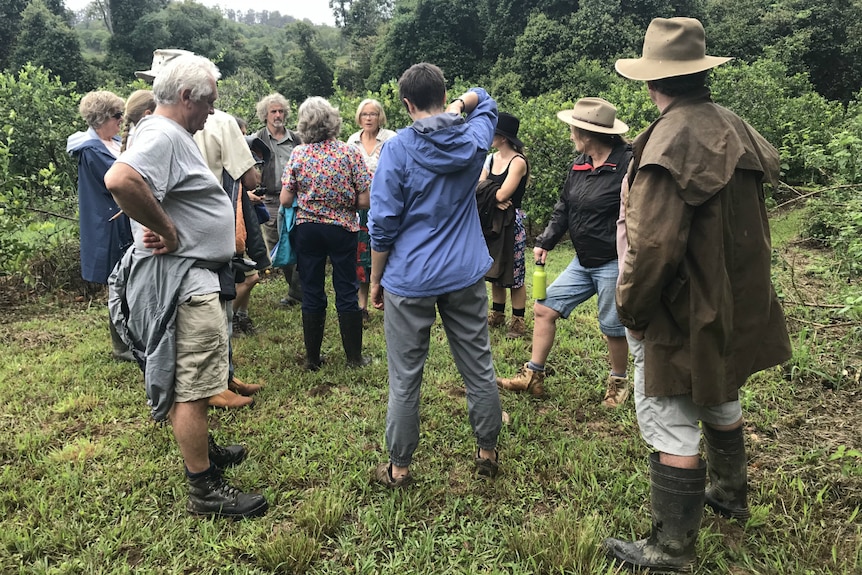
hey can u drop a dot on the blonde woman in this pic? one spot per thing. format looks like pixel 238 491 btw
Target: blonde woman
pixel 139 104
pixel 105 232
pixel 371 118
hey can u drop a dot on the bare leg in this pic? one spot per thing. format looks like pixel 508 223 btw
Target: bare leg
pixel 618 350
pixel 243 292
pixel 680 461
pixel 498 294
pixel 519 297
pixel 363 295
pixel 544 331
pixel 191 428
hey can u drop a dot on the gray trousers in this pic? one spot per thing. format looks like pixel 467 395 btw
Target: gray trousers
pixel 407 323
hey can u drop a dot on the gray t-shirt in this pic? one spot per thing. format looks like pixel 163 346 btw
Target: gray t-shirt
pixel 169 160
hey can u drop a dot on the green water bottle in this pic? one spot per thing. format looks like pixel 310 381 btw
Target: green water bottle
pixel 540 282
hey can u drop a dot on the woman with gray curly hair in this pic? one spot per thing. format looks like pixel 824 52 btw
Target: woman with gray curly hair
pixel 328 181
pixel 105 232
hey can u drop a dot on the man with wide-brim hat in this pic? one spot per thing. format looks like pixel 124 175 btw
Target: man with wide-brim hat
pixel 587 211
pixel 694 291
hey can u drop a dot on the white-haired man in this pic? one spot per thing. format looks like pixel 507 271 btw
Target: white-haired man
pixel 179 213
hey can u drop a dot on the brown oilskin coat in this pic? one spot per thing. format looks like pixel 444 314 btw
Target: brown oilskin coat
pixel 696 276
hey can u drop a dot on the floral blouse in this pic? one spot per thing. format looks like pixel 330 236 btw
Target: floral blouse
pixel 327 178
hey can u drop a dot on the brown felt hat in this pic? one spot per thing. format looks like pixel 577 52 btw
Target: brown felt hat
pixel 594 115
pixel 672 47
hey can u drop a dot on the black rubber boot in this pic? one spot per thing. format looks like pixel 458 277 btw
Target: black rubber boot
pixel 224 457
pixel 291 274
pixel 211 495
pixel 728 472
pixel 677 497
pixel 119 350
pixel 350 324
pixel 312 332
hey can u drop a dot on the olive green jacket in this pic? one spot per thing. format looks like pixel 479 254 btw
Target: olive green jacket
pixel 696 274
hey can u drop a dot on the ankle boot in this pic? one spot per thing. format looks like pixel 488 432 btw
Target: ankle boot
pixel 229 400
pixel 677 497
pixel 496 318
pixel 728 472
pixel 237 386
pixel 350 325
pixel 223 457
pixel 526 380
pixel 312 333
pixel 211 495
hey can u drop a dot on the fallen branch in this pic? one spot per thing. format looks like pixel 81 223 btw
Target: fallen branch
pixel 53 215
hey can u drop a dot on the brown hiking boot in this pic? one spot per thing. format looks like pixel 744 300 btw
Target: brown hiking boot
pixel 526 380
pixel 496 319
pixel 237 386
pixel 617 392
pixel 229 400
pixel 517 327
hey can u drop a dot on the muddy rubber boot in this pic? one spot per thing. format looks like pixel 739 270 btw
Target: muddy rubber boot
pixel 119 350
pixel 350 325
pixel 211 495
pixel 677 497
pixel 727 467
pixel 312 333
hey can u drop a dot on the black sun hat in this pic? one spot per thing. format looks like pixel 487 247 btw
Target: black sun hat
pixel 507 126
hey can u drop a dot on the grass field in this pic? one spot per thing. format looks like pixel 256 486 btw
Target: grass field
pixel 89 484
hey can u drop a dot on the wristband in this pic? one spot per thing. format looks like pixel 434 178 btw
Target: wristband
pixel 463 104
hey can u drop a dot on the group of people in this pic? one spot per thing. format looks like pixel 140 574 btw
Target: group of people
pixel 670 232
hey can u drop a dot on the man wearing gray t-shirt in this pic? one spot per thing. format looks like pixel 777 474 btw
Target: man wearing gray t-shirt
pixel 181 222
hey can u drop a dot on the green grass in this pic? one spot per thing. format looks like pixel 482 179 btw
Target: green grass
pixel 89 484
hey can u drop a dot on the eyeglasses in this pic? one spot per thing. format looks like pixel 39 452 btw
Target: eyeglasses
pixel 368 115
pixel 118 115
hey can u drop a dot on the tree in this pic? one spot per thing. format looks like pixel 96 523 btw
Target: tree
pixel 10 20
pixel 447 33
pixel 309 74
pixel 46 40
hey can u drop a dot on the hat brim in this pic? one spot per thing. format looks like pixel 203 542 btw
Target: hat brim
pixel 518 143
pixel 647 69
pixel 618 128
pixel 148 75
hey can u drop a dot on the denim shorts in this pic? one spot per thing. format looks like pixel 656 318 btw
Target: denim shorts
pixel 577 284
pixel 670 424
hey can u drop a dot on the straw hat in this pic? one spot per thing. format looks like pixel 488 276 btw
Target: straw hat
pixel 160 58
pixel 672 47
pixel 594 115
pixel 507 126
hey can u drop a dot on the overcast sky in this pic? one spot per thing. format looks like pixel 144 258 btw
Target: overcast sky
pixel 315 10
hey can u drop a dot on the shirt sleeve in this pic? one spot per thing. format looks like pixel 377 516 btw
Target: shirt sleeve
pixel 387 199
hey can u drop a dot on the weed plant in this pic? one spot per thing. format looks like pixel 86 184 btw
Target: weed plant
pixel 89 484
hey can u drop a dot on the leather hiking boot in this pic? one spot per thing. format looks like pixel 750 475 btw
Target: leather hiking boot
pixel 223 457
pixel 517 327
pixel 212 495
pixel 383 476
pixel 496 319
pixel 617 392
pixel 526 380
pixel 229 400
pixel 237 386
pixel 242 324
